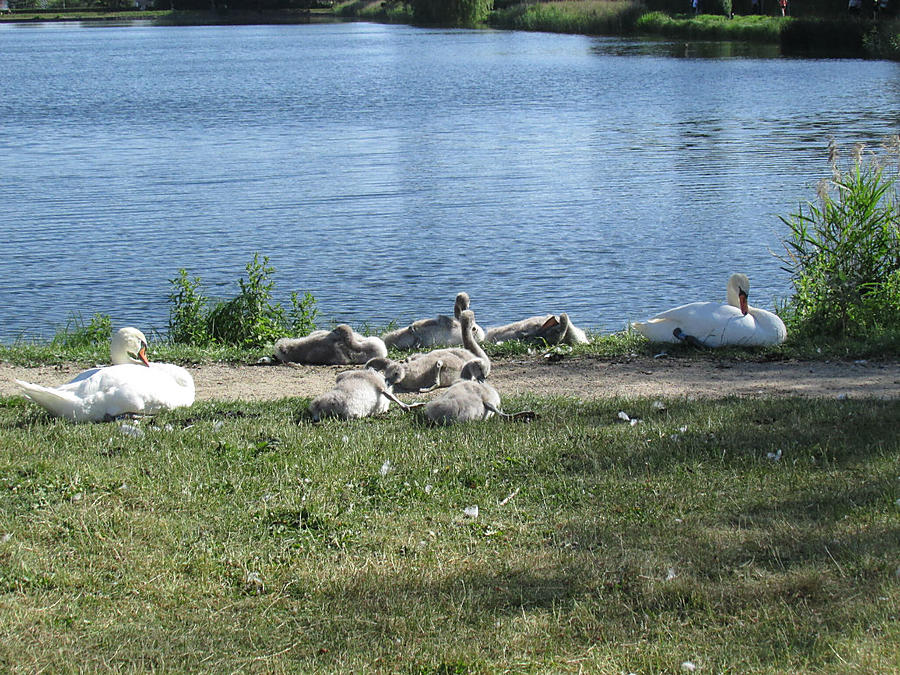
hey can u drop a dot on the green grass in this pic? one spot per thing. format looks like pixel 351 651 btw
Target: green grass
pixel 171 17
pixel 608 345
pixel 85 15
pixel 589 17
pixel 824 36
pixel 709 27
pixel 604 17
pixel 240 537
pixel 391 11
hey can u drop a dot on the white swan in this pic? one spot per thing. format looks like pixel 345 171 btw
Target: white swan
pixel 442 330
pixel 714 325
pixel 356 393
pixel 131 385
pixel 341 346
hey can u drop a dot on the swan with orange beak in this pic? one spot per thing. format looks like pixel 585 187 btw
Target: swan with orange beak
pixel 131 385
pixel 711 324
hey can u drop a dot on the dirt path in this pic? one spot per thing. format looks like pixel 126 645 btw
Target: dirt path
pixel 583 377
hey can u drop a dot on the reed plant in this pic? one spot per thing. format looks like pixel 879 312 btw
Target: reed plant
pixel 843 252
pixel 738 535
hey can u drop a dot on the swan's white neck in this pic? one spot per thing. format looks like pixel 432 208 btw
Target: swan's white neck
pixel 738 291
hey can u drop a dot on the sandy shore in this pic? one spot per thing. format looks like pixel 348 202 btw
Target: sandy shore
pixel 583 377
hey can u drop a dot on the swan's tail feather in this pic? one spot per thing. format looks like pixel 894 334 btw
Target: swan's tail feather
pixel 61 404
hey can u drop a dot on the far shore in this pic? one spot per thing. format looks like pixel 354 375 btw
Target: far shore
pixel 799 36
pixel 171 17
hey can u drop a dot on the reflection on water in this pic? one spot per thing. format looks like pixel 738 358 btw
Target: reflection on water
pixel 386 168
pixel 681 49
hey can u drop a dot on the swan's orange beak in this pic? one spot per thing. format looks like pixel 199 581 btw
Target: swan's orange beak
pixel 745 307
pixel 549 323
pixel 142 355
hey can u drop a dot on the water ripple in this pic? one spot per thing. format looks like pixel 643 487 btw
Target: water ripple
pixel 602 177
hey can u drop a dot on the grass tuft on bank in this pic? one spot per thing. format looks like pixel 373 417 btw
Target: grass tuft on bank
pixel 711 27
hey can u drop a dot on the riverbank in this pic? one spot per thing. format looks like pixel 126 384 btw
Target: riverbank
pixel 836 36
pixel 171 17
pixel 841 36
pixel 584 377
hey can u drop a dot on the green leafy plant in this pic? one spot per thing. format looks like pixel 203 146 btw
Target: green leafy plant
pixel 302 314
pixel 249 320
pixel 188 315
pixel 843 253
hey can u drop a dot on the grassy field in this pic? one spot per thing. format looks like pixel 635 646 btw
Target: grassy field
pixel 170 17
pixel 590 17
pixel 708 27
pixel 747 536
pixel 45 15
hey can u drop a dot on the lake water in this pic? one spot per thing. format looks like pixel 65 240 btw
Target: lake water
pixel 385 168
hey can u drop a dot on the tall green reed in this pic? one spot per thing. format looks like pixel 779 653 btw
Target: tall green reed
pixel 843 252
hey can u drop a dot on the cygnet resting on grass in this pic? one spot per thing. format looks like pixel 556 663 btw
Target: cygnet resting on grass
pixel 470 399
pixel 573 335
pixel 443 330
pixel 547 328
pixel 339 347
pixel 437 368
pixel 356 393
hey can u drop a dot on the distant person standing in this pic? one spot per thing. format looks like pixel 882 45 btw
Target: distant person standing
pixel 783 5
pixel 854 6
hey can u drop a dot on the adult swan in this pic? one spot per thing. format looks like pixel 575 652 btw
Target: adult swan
pixel 131 385
pixel 714 325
